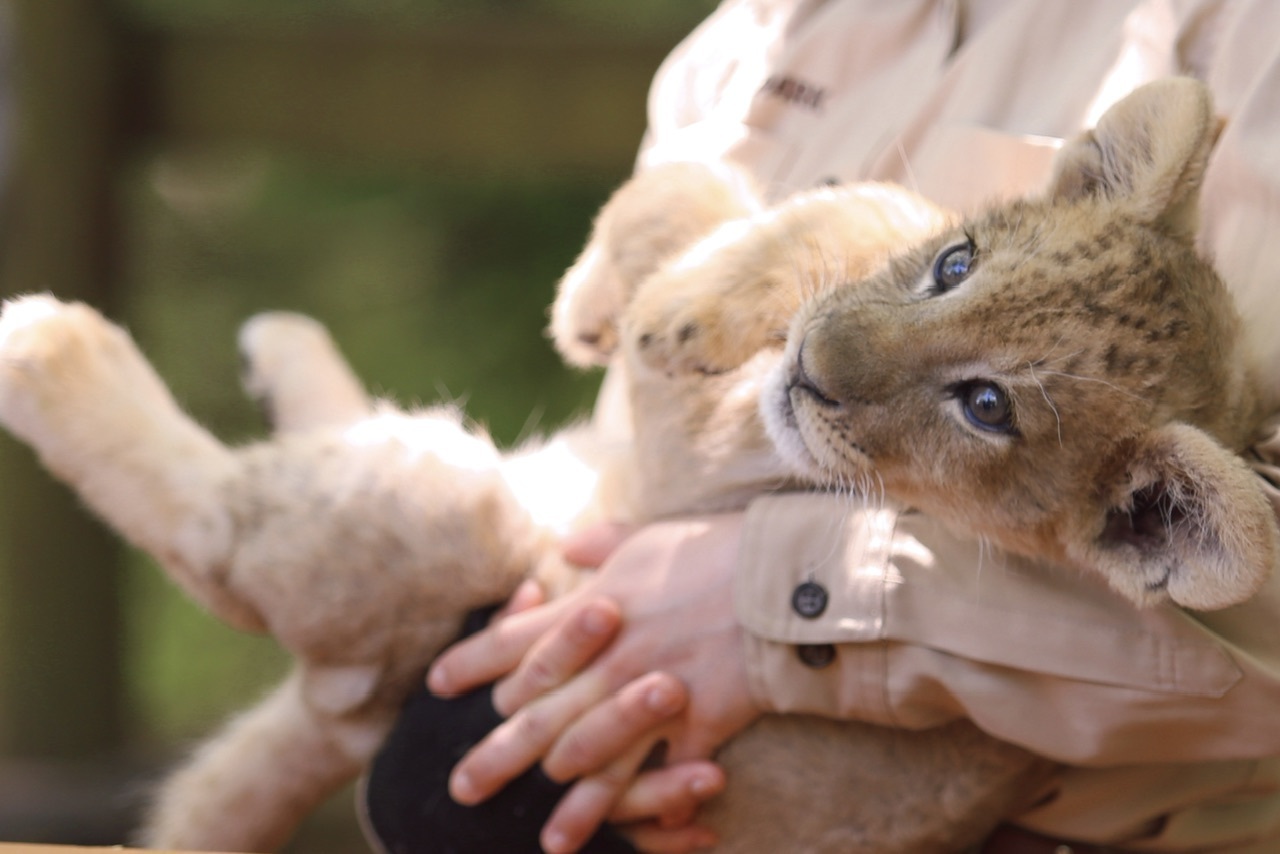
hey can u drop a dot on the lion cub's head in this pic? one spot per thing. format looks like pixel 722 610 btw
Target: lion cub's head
pixel 1061 375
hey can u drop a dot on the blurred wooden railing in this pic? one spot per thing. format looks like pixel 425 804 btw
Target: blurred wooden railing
pixel 491 101
pixel 95 91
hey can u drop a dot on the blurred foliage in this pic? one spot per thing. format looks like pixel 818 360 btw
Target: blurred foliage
pixel 645 15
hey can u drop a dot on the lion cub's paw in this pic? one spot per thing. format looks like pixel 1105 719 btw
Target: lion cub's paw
pixel 649 220
pixel 22 321
pixel 43 339
pixel 293 370
pixel 584 316
pixel 694 337
pixel 676 326
pixel 61 362
pixel 270 343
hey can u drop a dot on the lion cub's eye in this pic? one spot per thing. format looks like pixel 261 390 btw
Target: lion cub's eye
pixel 987 406
pixel 952 266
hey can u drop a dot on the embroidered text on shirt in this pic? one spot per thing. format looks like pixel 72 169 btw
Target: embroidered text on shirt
pixel 794 91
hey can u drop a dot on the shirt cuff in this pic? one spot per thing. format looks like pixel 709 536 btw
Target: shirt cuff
pixel 798 542
pixel 860 612
pixel 808 584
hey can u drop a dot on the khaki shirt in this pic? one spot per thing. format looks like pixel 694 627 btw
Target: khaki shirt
pixel 1169 721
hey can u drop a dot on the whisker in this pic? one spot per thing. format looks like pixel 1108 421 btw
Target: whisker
pixel 1045 358
pixel 1098 380
pixel 912 182
pixel 1045 394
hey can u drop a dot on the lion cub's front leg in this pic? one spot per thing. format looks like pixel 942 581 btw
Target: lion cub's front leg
pixel 652 217
pixel 734 292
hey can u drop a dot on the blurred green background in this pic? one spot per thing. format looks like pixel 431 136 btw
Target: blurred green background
pixel 414 173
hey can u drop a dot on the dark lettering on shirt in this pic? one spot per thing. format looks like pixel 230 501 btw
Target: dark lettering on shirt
pixel 794 91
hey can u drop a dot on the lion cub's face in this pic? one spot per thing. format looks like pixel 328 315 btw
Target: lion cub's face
pixel 1058 375
pixel 1002 371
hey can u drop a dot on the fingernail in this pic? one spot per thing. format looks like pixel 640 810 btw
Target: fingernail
pixel 553 841
pixel 663 701
pixel 528 589
pixel 461 788
pixel 703 786
pixel 437 680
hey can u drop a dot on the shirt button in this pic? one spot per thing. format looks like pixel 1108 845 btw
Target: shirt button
pixel 809 600
pixel 816 655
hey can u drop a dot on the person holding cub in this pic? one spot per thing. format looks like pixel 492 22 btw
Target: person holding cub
pixel 1164 720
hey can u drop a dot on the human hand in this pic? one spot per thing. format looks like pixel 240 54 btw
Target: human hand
pixel 672 584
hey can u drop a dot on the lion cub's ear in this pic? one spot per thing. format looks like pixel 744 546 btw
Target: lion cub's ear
pixel 1187 519
pixel 1148 154
pixel 649 219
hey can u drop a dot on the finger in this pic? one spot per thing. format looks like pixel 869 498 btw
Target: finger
pixel 671 794
pixel 559 654
pixel 519 742
pixel 491 653
pixel 528 595
pixel 660 840
pixel 611 728
pixel 586 805
pixel 591 546
pixel 697 740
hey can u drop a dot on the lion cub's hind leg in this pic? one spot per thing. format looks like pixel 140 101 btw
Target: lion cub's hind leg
pixel 294 371
pixel 248 787
pixel 75 388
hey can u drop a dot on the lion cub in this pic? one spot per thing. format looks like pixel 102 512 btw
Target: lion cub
pixel 1059 375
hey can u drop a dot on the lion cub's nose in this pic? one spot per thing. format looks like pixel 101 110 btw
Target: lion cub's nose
pixel 802 380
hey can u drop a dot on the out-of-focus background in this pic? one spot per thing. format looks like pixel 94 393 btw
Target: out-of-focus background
pixel 414 173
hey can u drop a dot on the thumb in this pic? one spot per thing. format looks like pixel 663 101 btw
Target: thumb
pixel 591 546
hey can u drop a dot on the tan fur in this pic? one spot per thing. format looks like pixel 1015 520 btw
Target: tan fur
pixel 1117 346
pixel 752 275
pixel 359 535
pixel 650 218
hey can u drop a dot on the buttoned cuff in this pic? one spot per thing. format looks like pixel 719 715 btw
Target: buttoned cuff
pixel 810 581
pixel 837 598
pixel 800 548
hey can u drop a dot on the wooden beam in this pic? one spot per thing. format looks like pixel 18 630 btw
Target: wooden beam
pixel 60 628
pixel 475 101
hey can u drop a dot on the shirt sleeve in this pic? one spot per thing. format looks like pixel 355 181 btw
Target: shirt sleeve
pixel 886 616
